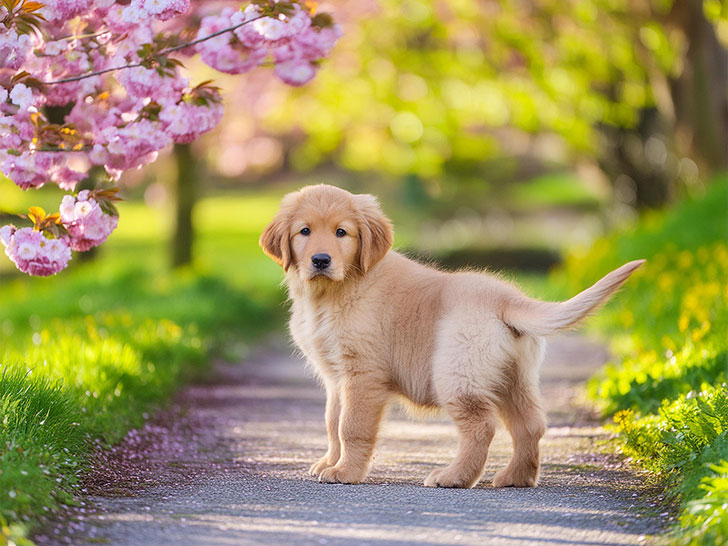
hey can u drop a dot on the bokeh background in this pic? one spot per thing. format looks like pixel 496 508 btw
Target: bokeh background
pixel 495 132
pixel 550 139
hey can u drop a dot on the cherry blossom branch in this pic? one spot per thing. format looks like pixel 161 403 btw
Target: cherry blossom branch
pixel 161 53
pixel 92 74
pixel 204 38
pixel 81 36
pixel 81 149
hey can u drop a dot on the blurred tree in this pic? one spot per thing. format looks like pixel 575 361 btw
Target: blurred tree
pixel 700 92
pixel 426 87
pixel 686 129
pixel 185 198
pixel 420 88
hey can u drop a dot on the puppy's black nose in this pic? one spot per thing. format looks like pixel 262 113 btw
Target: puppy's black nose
pixel 321 261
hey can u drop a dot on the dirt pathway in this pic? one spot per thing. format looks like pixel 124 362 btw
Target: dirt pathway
pixel 228 466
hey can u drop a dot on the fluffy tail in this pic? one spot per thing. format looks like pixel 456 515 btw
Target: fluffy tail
pixel 542 318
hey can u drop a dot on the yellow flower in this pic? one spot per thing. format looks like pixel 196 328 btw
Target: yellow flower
pixel 665 281
pixel 720 254
pixel 699 333
pixel 668 344
pixel 683 322
pixel 685 259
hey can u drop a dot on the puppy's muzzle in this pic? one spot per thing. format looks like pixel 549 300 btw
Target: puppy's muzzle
pixel 321 261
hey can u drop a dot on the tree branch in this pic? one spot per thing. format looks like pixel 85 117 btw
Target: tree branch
pixel 81 36
pixel 67 150
pixel 161 53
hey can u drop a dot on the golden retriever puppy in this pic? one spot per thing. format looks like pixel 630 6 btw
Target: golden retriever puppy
pixel 376 325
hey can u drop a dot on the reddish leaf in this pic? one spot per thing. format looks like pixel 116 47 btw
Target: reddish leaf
pixel 30 7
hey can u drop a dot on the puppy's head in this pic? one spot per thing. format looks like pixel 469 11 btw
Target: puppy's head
pixel 324 233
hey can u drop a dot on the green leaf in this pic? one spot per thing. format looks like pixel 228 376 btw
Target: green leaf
pixel 705 407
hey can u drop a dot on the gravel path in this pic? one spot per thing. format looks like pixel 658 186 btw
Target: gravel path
pixel 227 465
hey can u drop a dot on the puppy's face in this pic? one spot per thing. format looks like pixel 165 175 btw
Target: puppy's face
pixel 327 234
pixel 324 243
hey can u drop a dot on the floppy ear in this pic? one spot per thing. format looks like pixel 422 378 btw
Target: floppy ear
pixel 376 234
pixel 276 241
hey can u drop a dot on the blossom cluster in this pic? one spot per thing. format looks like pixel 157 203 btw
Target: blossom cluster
pixel 87 224
pixel 87 84
pixel 34 253
pixel 294 40
pixel 85 221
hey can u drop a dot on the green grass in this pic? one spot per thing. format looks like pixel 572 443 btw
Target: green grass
pixel 667 389
pixel 72 383
pixel 86 354
pixel 557 189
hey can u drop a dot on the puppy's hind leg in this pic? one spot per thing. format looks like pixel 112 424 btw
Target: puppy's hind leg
pixel 526 421
pixel 333 411
pixel 475 419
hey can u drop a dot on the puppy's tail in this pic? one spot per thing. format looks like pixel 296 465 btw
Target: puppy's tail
pixel 542 318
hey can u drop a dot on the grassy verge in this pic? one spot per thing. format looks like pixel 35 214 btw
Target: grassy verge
pixel 667 391
pixel 86 355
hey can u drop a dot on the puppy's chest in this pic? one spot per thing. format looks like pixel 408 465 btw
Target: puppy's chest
pixel 325 337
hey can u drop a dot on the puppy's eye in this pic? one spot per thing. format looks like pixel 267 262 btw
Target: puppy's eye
pixel 340 232
pixel 305 231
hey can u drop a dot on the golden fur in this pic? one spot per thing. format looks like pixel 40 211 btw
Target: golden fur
pixel 375 326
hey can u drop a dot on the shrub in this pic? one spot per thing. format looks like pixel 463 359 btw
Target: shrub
pixel 667 389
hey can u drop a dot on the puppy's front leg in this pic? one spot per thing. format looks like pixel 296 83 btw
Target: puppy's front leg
pixel 362 407
pixel 333 410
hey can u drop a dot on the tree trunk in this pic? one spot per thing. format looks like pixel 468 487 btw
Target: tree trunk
pixel 694 124
pixel 186 197
pixel 700 93
pixel 637 182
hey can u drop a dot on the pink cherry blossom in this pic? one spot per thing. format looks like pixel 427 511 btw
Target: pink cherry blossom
pixel 55 64
pixel 63 10
pixel 124 109
pixel 311 44
pixel 292 40
pixel 22 95
pixel 141 83
pixel 295 72
pixel 161 9
pixel 225 52
pixel 34 169
pixel 66 177
pixel 28 170
pixel 269 31
pixel 6 233
pixel 131 23
pixel 15 47
pixel 33 253
pixel 87 224
pixel 184 122
pixel 129 147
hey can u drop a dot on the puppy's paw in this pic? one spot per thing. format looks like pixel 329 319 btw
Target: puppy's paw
pixel 341 474
pixel 510 478
pixel 450 477
pixel 431 480
pixel 319 466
